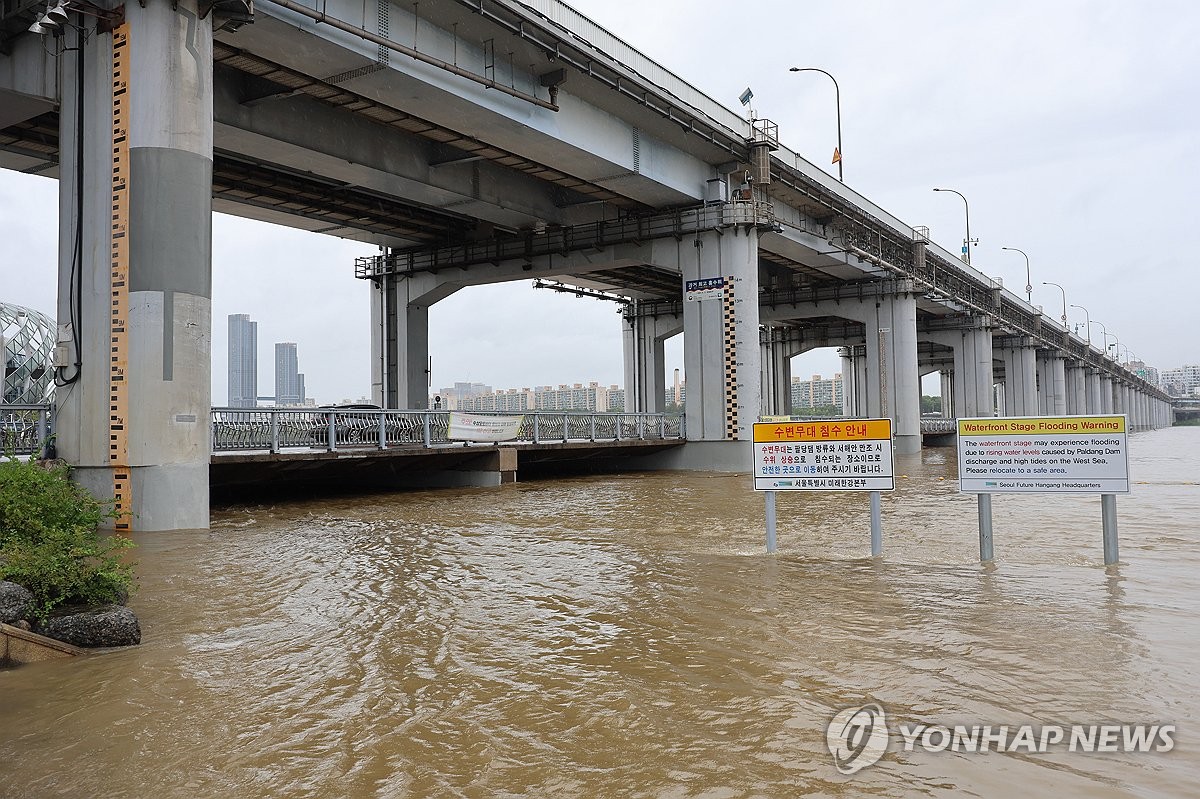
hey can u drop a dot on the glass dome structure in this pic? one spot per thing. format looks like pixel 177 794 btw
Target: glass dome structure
pixel 26 340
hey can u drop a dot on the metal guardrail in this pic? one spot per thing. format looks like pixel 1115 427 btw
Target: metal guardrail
pixel 276 429
pixel 938 426
pixel 25 429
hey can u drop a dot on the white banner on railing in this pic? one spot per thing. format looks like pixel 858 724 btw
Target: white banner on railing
pixel 473 427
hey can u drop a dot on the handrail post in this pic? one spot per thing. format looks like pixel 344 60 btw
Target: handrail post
pixel 620 422
pixel 566 426
pixel 331 431
pixel 426 425
pixel 537 433
pixel 592 428
pixel 274 431
pixel 382 430
pixel 662 426
pixel 641 426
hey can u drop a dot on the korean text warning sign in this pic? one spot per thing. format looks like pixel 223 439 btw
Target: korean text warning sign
pixel 833 455
pixel 1043 454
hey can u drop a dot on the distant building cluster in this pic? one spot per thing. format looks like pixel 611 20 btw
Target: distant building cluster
pixel 1181 382
pixel 477 397
pixel 817 392
pixel 243 368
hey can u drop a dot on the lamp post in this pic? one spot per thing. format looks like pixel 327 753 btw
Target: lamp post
pixel 837 96
pixel 1105 331
pixel 1028 282
pixel 968 241
pixel 1088 317
pixel 1064 293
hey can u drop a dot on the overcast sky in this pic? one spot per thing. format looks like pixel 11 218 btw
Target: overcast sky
pixel 1072 127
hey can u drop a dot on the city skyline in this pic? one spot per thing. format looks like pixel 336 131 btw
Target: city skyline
pixel 1049 129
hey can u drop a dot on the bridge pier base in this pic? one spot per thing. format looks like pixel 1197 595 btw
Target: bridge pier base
pixel 721 342
pixel 135 278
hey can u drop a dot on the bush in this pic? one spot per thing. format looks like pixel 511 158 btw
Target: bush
pixel 49 540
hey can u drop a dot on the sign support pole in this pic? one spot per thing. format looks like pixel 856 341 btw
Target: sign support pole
pixel 985 527
pixel 1108 512
pixel 770 522
pixel 876 525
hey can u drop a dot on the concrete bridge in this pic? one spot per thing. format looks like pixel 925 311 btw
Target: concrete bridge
pixel 475 141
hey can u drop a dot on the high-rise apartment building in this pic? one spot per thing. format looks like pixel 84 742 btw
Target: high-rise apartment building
pixel 289 385
pixel 243 361
pixel 818 392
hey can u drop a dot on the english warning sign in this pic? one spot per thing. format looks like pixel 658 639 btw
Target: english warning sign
pixel 1043 454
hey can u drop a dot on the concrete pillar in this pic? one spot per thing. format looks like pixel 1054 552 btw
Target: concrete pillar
pixel 643 340
pixel 1092 381
pixel 1106 394
pixel 724 383
pixel 1001 400
pixel 1056 404
pixel 1020 380
pixel 1076 389
pixel 400 332
pixel 776 373
pixel 947 384
pixel 860 382
pixel 972 379
pixel 137 423
pixel 893 387
pixel 848 381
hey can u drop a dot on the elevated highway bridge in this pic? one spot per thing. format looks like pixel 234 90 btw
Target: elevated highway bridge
pixel 475 141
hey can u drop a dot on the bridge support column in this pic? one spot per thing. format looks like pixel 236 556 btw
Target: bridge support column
pixel 400 337
pixel 1094 406
pixel 893 388
pixel 1052 384
pixel 1107 394
pixel 848 380
pixel 136 421
pixel 1020 380
pixel 776 359
pixel 1076 389
pixel 972 381
pixel 721 344
pixel 643 342
pixel 947 383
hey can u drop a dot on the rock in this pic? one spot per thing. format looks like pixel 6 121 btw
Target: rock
pixel 111 625
pixel 16 603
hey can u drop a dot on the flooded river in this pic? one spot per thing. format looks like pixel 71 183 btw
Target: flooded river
pixel 626 636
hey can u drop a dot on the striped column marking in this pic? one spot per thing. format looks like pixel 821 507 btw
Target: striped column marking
pixel 118 389
pixel 729 342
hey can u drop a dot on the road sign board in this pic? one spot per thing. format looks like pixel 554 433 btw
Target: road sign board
pixel 1043 454
pixel 828 455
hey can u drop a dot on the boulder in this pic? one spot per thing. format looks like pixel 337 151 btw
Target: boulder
pixel 16 603
pixel 111 625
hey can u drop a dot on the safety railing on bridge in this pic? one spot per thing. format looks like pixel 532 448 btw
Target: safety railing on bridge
pixel 25 430
pixel 276 429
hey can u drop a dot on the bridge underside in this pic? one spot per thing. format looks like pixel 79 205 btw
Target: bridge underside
pixel 500 145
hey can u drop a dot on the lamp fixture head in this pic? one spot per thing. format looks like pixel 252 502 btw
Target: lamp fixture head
pixel 58 14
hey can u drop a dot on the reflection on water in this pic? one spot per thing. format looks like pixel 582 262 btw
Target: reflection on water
pixel 624 636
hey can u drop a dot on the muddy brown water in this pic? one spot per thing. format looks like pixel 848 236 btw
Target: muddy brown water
pixel 626 636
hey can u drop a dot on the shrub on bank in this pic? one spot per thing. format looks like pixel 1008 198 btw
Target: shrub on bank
pixel 49 541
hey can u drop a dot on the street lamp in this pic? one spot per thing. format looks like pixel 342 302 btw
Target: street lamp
pixel 1064 293
pixel 837 96
pixel 1028 282
pixel 1088 317
pixel 1105 331
pixel 968 241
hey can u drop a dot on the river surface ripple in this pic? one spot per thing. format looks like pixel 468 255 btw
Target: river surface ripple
pixel 625 636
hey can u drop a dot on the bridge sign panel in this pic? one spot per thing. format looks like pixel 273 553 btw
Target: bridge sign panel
pixel 826 455
pixel 709 288
pixel 1043 454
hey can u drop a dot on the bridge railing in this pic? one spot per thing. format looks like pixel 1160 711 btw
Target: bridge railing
pixel 276 429
pixel 25 429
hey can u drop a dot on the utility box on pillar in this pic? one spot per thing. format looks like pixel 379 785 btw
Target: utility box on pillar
pixel 765 139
